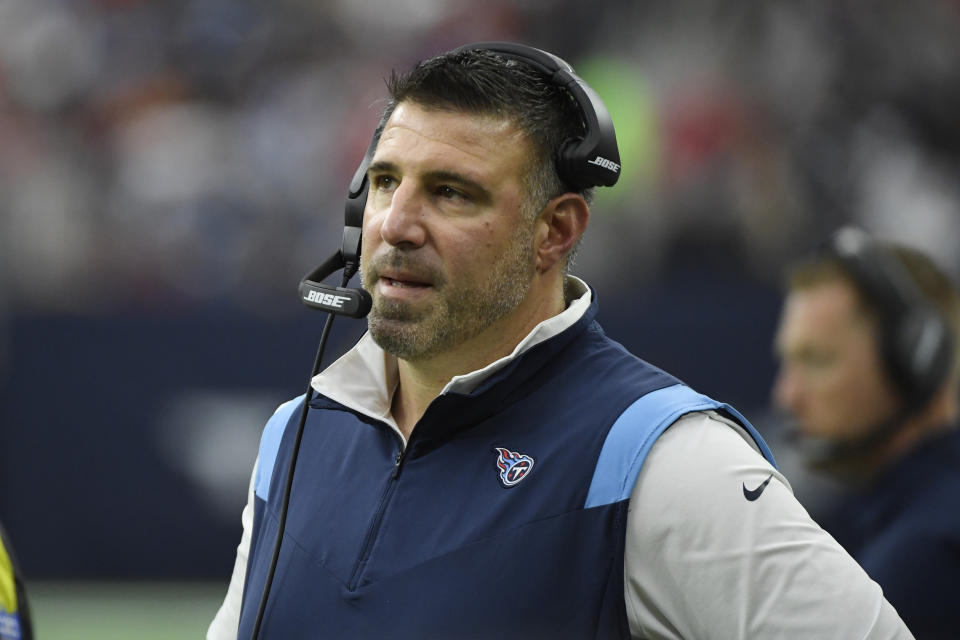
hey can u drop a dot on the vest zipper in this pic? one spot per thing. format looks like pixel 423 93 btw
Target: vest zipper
pixel 377 521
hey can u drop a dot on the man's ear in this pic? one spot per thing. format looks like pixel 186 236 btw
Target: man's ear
pixel 559 225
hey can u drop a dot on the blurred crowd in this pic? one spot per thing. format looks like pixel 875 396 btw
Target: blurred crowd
pixel 179 152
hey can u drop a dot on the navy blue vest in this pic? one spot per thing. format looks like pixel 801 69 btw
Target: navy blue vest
pixel 504 518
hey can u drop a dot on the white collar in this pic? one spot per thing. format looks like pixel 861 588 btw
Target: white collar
pixel 365 377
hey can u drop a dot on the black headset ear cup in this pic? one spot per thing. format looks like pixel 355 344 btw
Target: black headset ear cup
pixel 356 203
pixel 590 160
pixel 568 161
pixel 920 353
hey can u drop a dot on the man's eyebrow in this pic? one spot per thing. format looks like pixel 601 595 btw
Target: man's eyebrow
pixel 382 166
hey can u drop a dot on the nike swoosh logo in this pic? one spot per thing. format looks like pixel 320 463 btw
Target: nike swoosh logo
pixel 753 494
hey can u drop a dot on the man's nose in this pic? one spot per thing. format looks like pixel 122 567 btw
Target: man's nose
pixel 404 220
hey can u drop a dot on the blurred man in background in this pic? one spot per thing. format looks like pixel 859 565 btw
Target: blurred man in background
pixel 868 345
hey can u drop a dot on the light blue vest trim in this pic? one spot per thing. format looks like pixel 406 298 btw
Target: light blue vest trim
pixel 270 444
pixel 636 430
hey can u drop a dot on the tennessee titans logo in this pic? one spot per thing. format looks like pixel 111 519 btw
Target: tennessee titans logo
pixel 513 466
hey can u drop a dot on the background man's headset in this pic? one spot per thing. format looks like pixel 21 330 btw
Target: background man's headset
pixel 914 341
pixel 590 160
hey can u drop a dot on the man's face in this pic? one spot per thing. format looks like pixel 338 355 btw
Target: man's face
pixel 447 249
pixel 831 378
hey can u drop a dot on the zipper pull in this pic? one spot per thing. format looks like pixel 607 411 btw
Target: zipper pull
pixel 399 462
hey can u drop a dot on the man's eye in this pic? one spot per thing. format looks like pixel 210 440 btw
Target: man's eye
pixel 384 182
pixel 818 360
pixel 451 193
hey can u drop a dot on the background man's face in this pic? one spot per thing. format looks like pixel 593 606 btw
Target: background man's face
pixel 831 378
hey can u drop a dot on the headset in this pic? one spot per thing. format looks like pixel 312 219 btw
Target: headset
pixel 914 342
pixel 590 160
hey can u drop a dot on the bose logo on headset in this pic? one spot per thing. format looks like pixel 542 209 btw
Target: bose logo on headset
pixel 606 164
pixel 326 299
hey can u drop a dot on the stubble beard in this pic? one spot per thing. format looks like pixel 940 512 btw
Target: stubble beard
pixel 461 309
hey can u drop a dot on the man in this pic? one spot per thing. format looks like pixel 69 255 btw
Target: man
pixel 869 371
pixel 485 462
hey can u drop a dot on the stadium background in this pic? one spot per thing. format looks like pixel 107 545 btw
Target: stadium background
pixel 170 169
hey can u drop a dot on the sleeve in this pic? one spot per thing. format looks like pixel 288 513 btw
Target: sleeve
pixel 227 620
pixel 718 546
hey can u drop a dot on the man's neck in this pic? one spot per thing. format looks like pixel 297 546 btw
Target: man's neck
pixel 939 416
pixel 421 381
pixel 918 429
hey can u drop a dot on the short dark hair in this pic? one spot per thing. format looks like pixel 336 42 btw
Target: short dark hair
pixel 485 83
